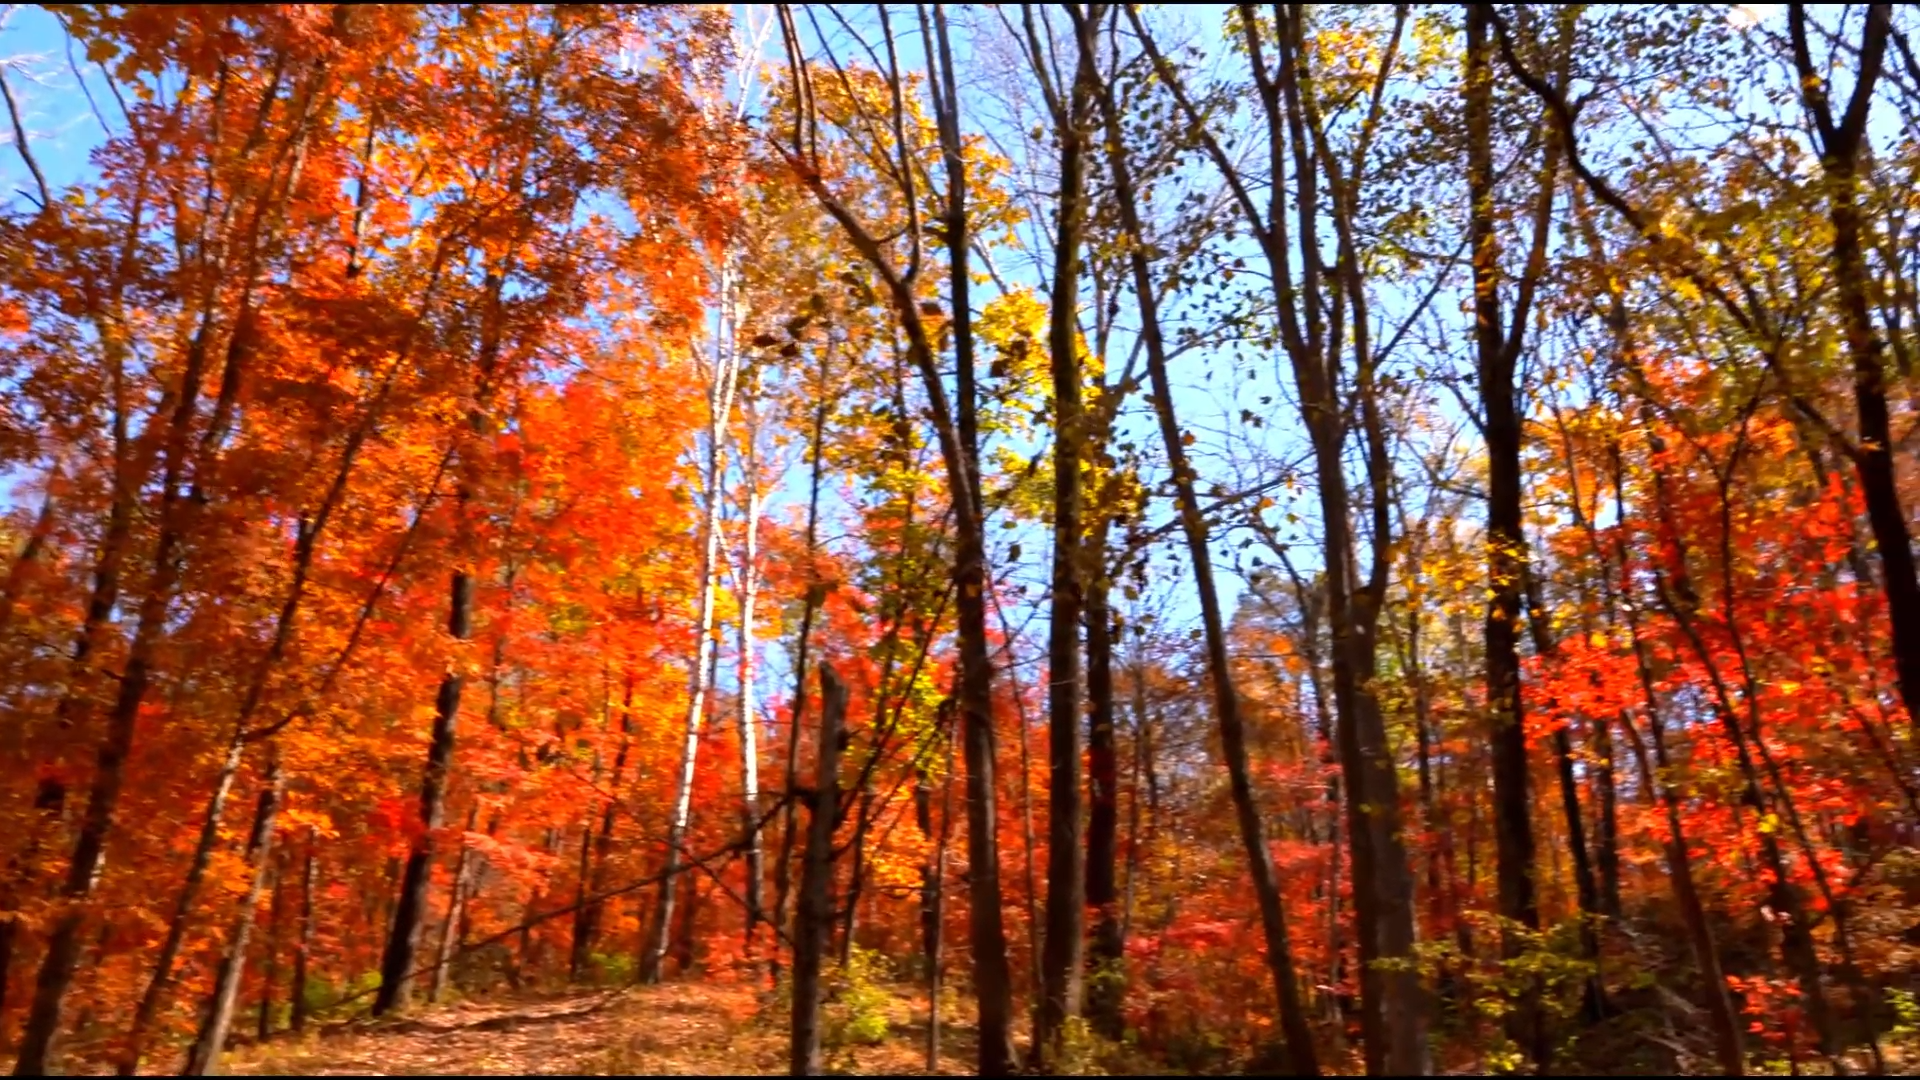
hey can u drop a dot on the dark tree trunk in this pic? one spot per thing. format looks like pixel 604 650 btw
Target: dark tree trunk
pixel 815 595
pixel 270 950
pixel 49 799
pixel 813 925
pixel 1299 1036
pixel 1842 142
pixel 409 917
pixel 103 797
pixel 1506 549
pixel 857 877
pixel 1593 1000
pixel 1062 960
pixel 303 948
pixel 1106 968
pixel 410 914
pixel 992 977
pixel 170 946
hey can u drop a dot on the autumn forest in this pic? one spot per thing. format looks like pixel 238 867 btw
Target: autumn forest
pixel 1077 538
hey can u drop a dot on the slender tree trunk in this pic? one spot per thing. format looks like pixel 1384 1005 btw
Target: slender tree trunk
pixel 1106 965
pixel 270 961
pixel 751 803
pixel 204 1058
pixel 303 948
pixel 1593 1004
pixel 1299 1036
pixel 720 393
pixel 170 946
pixel 936 904
pixel 992 978
pixel 410 913
pixel 814 924
pixel 689 917
pixel 587 923
pixel 1706 953
pixel 814 597
pixel 857 878
pixel 456 908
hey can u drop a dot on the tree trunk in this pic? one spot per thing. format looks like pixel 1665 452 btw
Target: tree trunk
pixel 1299 1036
pixel 857 876
pixel 720 392
pixel 409 916
pixel 49 800
pixel 751 807
pixel 204 1058
pixel 992 978
pixel 934 915
pixel 1062 961
pixel 303 949
pixel 270 960
pixel 814 923
pixel 170 946
pixel 814 597
pixel 587 923
pixel 1593 1003
pixel 1841 145
pixel 456 907
pixel 103 797
pixel 1106 965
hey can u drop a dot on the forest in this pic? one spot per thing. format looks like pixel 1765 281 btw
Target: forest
pixel 970 538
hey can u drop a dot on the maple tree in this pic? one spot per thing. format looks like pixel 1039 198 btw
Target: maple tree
pixel 1321 538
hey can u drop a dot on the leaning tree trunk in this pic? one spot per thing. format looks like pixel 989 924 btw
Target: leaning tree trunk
pixel 1293 1018
pixel 49 799
pixel 89 853
pixel 410 913
pixel 456 907
pixel 813 925
pixel 204 1058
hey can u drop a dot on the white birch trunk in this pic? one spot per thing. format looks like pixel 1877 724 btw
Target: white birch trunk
pixel 720 391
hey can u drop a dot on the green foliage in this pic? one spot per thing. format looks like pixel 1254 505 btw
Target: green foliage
pixel 1545 961
pixel 855 1010
pixel 614 969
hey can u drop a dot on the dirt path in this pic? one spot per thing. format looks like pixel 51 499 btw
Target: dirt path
pixel 682 1029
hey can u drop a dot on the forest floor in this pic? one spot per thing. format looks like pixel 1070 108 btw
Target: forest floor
pixel 679 1029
